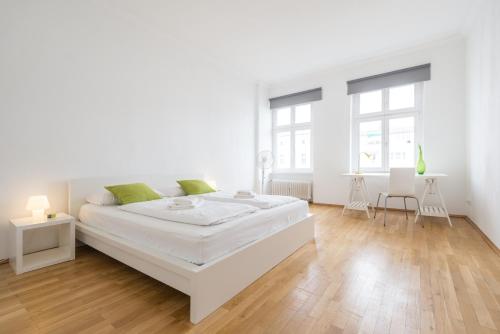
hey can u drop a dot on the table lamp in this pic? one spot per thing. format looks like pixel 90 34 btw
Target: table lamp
pixel 37 205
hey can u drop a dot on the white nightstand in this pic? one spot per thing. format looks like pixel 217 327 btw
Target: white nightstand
pixel 22 263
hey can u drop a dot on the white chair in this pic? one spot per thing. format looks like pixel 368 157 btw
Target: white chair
pixel 402 185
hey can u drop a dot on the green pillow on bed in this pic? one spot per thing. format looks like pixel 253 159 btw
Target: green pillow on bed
pixel 131 193
pixel 195 187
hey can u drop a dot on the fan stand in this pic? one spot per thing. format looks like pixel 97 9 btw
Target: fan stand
pixel 264 161
pixel 262 181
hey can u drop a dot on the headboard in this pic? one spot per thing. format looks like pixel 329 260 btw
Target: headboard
pixel 78 189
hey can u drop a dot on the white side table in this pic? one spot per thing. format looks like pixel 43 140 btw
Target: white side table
pixel 22 263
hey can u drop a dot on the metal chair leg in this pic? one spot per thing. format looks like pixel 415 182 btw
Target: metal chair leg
pixel 378 199
pixel 385 208
pixel 406 210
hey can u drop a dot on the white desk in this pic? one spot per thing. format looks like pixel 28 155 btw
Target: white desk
pixel 362 201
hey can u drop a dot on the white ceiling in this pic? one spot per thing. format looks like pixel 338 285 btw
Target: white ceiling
pixel 270 40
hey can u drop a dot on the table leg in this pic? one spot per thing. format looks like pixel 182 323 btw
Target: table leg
pixel 432 188
pixel 349 200
pixel 364 194
pixel 426 191
pixel 358 185
pixel 442 202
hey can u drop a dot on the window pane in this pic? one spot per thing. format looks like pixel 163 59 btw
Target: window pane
pixel 303 113
pixel 303 148
pixel 370 144
pixel 283 149
pixel 283 116
pixel 402 142
pixel 370 102
pixel 402 97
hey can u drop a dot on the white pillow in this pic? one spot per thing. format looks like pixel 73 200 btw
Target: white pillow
pixel 102 197
pixel 172 191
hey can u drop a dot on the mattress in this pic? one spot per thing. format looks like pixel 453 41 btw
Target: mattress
pixel 192 243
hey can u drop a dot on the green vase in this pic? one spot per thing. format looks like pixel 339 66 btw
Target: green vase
pixel 420 162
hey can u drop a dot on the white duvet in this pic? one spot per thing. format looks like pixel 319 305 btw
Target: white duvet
pixel 259 201
pixel 206 213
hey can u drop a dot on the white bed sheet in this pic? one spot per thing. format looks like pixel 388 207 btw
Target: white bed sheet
pixel 192 243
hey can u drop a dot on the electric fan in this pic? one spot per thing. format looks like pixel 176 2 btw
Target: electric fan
pixel 264 161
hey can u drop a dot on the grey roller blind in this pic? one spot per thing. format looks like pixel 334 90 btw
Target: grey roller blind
pixel 396 78
pixel 296 98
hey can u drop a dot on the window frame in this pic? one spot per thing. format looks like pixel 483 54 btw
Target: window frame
pixel 292 128
pixel 385 115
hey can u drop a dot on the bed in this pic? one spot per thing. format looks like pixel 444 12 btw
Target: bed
pixel 211 264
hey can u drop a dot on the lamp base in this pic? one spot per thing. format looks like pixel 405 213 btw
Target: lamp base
pixel 38 214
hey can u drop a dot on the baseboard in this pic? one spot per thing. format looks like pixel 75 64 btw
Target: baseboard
pixel 484 236
pixel 4 261
pixel 328 204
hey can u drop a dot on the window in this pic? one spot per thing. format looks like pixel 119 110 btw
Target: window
pixel 292 138
pixel 386 127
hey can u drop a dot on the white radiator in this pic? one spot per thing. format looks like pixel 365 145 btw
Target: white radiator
pixel 296 188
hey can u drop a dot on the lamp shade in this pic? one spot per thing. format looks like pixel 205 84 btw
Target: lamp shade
pixel 37 203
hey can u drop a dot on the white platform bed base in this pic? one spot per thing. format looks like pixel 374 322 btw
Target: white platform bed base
pixel 210 285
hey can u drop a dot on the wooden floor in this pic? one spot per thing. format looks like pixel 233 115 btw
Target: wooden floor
pixel 357 277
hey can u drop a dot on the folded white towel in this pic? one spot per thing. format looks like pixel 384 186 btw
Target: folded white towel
pixel 245 193
pixel 244 196
pixel 181 207
pixel 184 201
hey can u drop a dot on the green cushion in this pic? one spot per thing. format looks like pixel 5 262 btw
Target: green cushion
pixel 195 187
pixel 134 192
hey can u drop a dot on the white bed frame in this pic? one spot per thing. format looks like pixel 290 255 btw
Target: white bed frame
pixel 209 285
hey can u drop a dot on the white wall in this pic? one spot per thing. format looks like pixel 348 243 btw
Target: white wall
pixel 483 118
pixel 444 115
pixel 85 91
